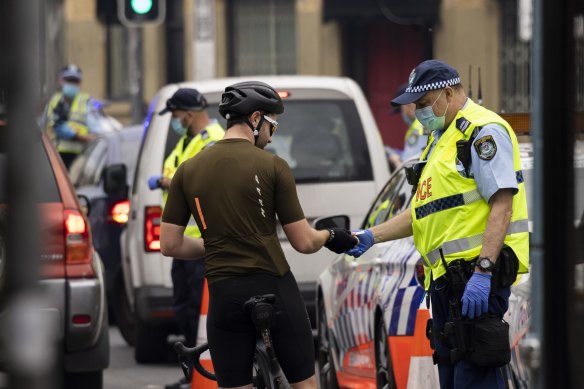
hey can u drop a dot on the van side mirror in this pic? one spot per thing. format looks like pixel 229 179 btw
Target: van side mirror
pixel 115 180
pixel 338 221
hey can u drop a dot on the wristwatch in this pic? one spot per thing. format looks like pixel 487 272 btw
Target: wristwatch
pixel 485 264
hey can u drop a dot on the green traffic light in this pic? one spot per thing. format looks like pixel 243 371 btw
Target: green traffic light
pixel 141 6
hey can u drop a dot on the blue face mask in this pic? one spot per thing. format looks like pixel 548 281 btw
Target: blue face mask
pixel 177 126
pixel 70 90
pixel 429 120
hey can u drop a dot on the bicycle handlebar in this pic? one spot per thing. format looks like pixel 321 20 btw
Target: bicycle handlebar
pixel 189 357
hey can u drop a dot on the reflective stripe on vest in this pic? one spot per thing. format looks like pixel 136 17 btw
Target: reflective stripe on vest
pixel 464 244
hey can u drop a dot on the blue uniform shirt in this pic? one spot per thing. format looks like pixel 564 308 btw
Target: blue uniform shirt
pixel 496 173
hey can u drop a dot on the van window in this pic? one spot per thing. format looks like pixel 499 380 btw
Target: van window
pixel 322 141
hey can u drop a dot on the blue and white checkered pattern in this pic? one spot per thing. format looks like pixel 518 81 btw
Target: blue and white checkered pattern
pixel 433 85
pixel 439 205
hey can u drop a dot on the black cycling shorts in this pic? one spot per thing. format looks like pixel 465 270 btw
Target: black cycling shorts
pixel 232 335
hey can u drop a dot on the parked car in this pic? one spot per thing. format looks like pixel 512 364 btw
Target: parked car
pixel 71 272
pixel 372 310
pixel 102 174
pixel 330 140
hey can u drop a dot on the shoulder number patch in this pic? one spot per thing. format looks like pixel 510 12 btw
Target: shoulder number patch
pixel 486 147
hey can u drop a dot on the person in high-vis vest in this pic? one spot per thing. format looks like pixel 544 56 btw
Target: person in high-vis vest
pixel 469 220
pixel 416 137
pixel 68 116
pixel 197 132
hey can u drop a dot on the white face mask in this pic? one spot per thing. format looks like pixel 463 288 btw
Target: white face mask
pixel 429 120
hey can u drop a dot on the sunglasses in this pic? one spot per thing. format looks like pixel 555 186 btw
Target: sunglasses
pixel 273 124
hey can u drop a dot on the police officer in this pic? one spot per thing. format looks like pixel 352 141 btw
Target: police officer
pixel 469 212
pixel 416 137
pixel 197 131
pixel 69 116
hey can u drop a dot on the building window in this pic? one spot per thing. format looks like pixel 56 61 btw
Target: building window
pixel 118 85
pixel 262 37
pixel 515 62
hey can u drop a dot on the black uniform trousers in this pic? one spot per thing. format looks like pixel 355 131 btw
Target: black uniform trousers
pixel 188 279
pixel 464 374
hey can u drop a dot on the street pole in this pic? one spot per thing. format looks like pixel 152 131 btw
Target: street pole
pixel 546 349
pixel 26 341
pixel 135 63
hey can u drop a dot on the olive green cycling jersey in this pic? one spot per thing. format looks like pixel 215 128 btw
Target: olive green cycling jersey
pixel 236 192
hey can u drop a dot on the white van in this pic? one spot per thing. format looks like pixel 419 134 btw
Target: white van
pixel 329 138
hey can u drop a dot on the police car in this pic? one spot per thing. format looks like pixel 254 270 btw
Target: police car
pixel 372 310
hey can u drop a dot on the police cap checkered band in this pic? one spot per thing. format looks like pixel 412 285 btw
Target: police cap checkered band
pixel 427 76
pixel 71 72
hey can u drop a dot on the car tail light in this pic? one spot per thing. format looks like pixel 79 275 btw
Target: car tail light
pixel 81 319
pixel 152 228
pixel 284 94
pixel 120 212
pixel 420 277
pixel 78 251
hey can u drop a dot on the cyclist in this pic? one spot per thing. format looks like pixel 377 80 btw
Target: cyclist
pixel 235 191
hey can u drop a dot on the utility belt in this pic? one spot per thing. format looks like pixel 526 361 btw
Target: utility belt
pixel 484 341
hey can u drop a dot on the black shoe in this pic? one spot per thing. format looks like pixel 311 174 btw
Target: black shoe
pixel 180 384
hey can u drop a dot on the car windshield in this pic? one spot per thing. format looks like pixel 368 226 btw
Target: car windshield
pixel 322 141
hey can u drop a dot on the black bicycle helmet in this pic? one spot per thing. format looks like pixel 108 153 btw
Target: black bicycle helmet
pixel 244 98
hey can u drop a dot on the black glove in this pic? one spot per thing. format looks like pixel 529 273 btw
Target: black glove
pixel 340 240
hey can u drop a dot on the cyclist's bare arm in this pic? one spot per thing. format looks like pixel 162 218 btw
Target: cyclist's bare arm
pixel 174 244
pixel 304 238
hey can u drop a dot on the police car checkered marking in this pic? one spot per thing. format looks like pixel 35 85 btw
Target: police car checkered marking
pixel 433 86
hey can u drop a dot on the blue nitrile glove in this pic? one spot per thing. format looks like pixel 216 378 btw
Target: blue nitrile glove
pixel 475 299
pixel 154 182
pixel 63 131
pixel 365 242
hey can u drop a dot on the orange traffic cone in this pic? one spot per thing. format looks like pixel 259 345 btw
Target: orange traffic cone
pixel 200 382
pixel 422 372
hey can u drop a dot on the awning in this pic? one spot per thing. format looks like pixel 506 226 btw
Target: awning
pixel 408 12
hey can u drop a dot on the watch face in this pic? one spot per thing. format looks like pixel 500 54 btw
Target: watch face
pixel 485 263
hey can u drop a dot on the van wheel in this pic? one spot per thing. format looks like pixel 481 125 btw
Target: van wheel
pixel 383 366
pixel 149 342
pixel 124 318
pixel 327 375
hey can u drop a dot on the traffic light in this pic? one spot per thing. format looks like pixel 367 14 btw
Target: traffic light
pixel 139 12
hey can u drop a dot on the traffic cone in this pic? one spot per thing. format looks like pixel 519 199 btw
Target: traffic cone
pixel 200 382
pixel 422 372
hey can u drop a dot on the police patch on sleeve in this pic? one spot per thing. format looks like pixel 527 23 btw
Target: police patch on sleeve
pixel 486 147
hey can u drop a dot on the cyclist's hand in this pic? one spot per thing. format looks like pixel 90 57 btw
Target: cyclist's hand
pixel 365 242
pixel 340 240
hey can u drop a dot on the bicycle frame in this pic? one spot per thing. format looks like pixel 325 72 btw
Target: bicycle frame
pixel 269 372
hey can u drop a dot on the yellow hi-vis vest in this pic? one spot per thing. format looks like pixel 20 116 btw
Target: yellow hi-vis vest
pixel 414 131
pixel 448 211
pixel 211 134
pixel 77 121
